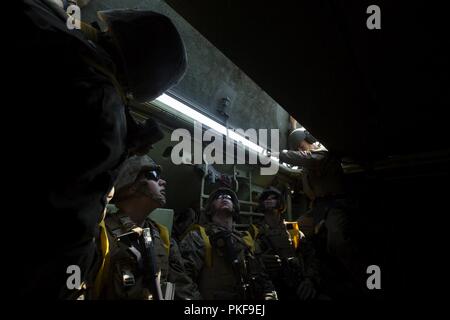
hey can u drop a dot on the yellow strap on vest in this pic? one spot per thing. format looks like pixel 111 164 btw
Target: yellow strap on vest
pixel 103 271
pixel 295 233
pixel 249 242
pixel 208 247
pixel 164 234
pixel 254 231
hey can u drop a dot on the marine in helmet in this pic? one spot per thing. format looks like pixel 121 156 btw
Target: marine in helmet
pixel 322 177
pixel 139 190
pixel 220 259
pixel 287 255
pixel 81 124
pixel 323 174
pixel 323 183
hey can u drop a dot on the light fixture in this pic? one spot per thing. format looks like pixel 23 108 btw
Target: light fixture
pixel 177 105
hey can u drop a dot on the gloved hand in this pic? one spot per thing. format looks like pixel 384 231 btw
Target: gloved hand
pixel 271 295
pixel 275 154
pixel 306 290
pixel 272 263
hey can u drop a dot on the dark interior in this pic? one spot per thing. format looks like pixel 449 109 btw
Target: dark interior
pixel 377 97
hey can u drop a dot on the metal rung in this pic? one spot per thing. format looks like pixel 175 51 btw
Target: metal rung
pixel 246 213
pixel 249 202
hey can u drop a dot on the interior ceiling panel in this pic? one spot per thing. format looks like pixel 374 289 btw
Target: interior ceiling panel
pixel 367 94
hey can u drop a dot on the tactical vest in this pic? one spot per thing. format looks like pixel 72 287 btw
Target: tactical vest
pixel 218 280
pixel 247 238
pixel 124 278
pixel 278 249
pixel 294 235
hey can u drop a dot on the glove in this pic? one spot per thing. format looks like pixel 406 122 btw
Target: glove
pixel 275 154
pixel 271 295
pixel 306 290
pixel 272 263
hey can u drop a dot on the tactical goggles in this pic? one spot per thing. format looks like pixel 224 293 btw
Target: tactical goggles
pixel 224 196
pixel 152 175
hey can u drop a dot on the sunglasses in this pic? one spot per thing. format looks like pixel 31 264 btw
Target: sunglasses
pixel 152 175
pixel 223 196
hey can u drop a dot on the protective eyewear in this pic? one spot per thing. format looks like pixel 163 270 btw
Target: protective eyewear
pixel 152 175
pixel 223 196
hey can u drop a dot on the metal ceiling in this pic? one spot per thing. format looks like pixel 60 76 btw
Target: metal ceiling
pixel 367 94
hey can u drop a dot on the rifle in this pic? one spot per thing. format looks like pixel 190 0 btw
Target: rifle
pixel 153 276
pixel 222 239
pixel 148 262
pixel 253 276
pixel 248 273
pixel 145 256
pixel 291 270
pixel 238 270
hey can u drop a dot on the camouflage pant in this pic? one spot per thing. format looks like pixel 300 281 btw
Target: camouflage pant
pixel 335 231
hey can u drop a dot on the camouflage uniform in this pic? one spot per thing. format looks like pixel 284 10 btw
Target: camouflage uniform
pixel 129 274
pixel 286 265
pixel 126 273
pixel 323 183
pixel 75 176
pixel 221 278
pixel 288 257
